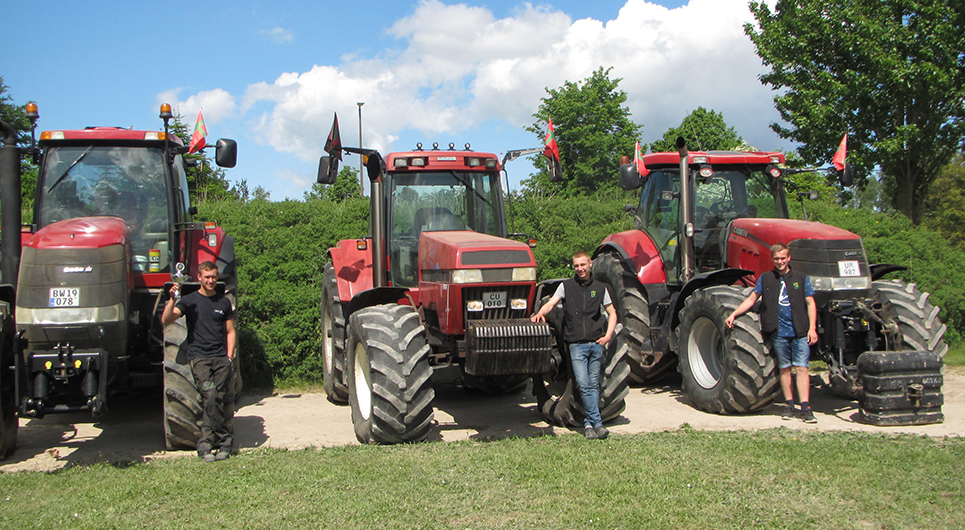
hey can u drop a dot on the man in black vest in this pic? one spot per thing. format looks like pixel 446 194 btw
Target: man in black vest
pixel 789 316
pixel 587 333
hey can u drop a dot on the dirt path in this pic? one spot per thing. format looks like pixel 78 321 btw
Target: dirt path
pixel 132 431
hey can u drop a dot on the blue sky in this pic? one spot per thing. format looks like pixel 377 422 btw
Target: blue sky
pixel 271 74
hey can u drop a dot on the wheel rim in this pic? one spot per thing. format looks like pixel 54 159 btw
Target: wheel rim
pixel 363 387
pixel 704 346
pixel 327 338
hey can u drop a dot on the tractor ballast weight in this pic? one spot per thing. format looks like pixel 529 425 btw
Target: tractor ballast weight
pixel 437 283
pixel 704 227
pixel 112 229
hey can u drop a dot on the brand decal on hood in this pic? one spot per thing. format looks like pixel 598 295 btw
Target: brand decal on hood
pixel 85 268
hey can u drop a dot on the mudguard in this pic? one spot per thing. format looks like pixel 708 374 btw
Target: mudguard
pixel 638 254
pixel 353 267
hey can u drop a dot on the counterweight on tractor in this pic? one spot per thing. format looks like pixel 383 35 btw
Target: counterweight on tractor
pixel 112 228
pixel 438 283
pixel 704 226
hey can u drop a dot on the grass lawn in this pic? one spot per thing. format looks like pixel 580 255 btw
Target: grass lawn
pixel 676 479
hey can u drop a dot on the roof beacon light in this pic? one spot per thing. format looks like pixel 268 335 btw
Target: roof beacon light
pixel 166 112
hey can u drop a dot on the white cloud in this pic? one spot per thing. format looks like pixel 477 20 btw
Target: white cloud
pixel 279 35
pixel 459 66
pixel 218 104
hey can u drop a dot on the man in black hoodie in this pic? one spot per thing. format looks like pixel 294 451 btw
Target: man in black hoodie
pixel 789 316
pixel 587 332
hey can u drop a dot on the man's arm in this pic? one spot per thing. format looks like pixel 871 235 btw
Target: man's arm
pixel 171 312
pixel 812 320
pixel 231 337
pixel 745 306
pixel 611 325
pixel 540 315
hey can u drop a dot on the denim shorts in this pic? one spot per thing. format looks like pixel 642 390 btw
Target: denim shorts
pixel 791 351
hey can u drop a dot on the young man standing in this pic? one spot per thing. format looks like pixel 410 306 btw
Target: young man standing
pixel 211 347
pixel 587 333
pixel 789 316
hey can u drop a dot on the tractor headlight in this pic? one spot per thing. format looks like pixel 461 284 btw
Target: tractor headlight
pixel 70 315
pixel 467 276
pixel 524 274
pixel 518 304
pixel 826 283
pixel 474 305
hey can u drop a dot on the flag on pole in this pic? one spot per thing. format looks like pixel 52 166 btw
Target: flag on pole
pixel 638 161
pixel 333 145
pixel 552 150
pixel 197 139
pixel 842 153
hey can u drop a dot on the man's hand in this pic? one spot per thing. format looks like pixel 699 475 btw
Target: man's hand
pixel 538 317
pixel 730 321
pixel 812 337
pixel 604 340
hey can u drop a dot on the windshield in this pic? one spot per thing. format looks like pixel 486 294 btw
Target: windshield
pixel 436 201
pixel 727 195
pixel 126 182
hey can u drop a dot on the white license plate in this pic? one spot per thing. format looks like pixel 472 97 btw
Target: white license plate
pixel 64 297
pixel 848 269
pixel 494 300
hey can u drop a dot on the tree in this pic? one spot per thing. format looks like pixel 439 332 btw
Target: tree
pixel 592 128
pixel 945 207
pixel 890 73
pixel 16 117
pixel 205 179
pixel 346 187
pixel 704 130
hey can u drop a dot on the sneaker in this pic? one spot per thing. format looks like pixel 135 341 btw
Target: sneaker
pixel 789 413
pixel 207 457
pixel 222 455
pixel 601 432
pixel 808 416
pixel 590 433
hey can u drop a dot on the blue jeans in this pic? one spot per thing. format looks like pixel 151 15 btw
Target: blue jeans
pixel 587 359
pixel 791 351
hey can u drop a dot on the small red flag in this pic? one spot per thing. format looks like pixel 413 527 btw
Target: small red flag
pixel 842 153
pixel 638 161
pixel 197 139
pixel 552 150
pixel 333 145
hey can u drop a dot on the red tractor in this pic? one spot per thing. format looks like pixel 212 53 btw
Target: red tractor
pixel 112 229
pixel 704 226
pixel 438 283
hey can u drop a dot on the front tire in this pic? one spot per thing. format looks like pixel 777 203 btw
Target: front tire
pixel 390 384
pixel 333 338
pixel 182 401
pixel 725 371
pixel 8 396
pixel 633 311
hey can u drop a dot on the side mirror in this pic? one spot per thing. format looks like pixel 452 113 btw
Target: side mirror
pixel 630 178
pixel 226 153
pixel 327 170
pixel 554 169
pixel 847 176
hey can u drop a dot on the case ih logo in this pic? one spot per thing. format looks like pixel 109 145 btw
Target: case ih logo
pixel 87 268
pixel 740 231
pixel 852 253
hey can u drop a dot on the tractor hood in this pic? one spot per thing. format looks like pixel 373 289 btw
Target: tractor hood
pixel 471 250
pixel 772 231
pixel 82 232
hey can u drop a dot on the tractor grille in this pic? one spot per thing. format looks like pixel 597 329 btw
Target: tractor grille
pixel 478 293
pixel 819 257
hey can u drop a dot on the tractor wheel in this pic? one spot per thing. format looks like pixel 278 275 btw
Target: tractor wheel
pixel 182 401
pixel 495 385
pixel 558 397
pixel 8 397
pixel 390 381
pixel 333 338
pixel 917 318
pixel 725 371
pixel 646 365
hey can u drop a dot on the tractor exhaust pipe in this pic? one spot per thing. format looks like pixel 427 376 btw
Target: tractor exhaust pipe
pixel 10 203
pixel 687 217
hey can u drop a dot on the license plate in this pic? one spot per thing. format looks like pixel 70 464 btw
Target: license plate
pixel 848 268
pixel 64 297
pixel 494 300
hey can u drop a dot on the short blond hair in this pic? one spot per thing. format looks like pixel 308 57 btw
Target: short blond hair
pixel 778 247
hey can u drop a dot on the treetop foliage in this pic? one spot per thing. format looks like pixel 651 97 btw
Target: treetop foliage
pixel 890 73
pixel 704 130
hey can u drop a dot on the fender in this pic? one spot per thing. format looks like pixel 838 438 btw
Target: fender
pixel 376 296
pixel 700 281
pixel 638 254
pixel 878 270
pixel 353 267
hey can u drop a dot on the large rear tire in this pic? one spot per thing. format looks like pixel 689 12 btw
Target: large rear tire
pixel 182 401
pixel 725 371
pixel 921 329
pixel 633 311
pixel 558 397
pixel 8 396
pixel 390 380
pixel 333 338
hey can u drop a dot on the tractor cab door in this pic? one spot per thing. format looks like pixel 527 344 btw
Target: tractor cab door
pixel 659 216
